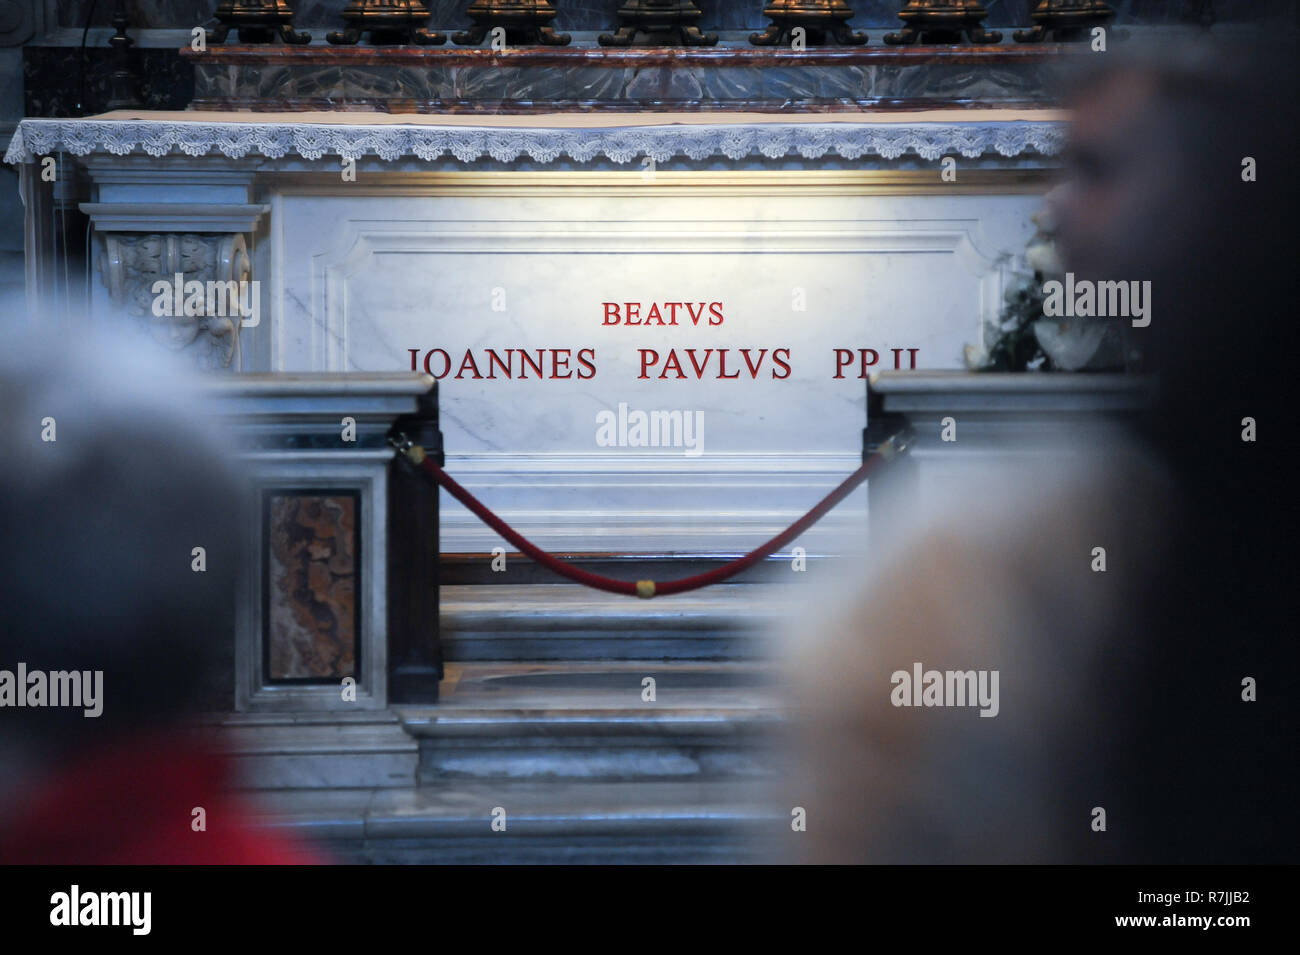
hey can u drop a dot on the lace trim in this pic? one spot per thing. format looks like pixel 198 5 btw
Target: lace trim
pixel 40 137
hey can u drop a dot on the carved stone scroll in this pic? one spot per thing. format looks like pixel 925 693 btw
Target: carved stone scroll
pixel 190 292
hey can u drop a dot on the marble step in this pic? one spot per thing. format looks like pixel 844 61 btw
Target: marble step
pixel 695 821
pixel 318 750
pixel 538 622
pixel 592 721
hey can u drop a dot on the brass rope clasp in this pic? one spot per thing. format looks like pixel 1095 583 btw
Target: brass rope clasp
pixel 895 445
pixel 406 447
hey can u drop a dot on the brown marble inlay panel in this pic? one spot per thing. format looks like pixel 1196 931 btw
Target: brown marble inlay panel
pixel 312 585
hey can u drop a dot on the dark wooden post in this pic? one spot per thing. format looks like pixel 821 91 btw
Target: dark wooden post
pixel 414 646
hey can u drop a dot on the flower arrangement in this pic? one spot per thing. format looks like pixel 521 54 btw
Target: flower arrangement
pixel 1013 344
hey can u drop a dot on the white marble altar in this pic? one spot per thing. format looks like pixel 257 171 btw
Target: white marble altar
pixel 459 235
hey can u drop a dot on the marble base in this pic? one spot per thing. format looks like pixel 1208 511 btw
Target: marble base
pixel 319 751
pixel 1004 419
pixel 308 616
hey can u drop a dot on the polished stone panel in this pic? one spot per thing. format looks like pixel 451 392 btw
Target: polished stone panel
pixel 731 76
pixel 313 587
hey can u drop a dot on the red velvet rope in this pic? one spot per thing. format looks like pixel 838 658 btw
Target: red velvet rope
pixel 630 588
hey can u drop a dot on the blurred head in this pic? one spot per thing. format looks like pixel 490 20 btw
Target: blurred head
pixel 1155 192
pixel 1119 689
pixel 97 549
pixel 1156 143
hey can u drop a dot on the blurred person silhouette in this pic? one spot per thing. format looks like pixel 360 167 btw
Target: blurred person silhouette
pixel 1119 690
pixel 109 478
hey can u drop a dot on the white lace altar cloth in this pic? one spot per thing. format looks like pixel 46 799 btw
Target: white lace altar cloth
pixel 621 138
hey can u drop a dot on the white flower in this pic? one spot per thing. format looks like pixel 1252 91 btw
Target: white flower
pixel 1042 258
pixel 975 357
